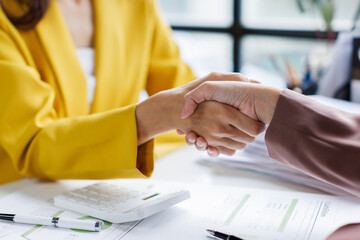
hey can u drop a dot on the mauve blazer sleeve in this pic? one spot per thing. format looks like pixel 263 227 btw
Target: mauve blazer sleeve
pixel 317 139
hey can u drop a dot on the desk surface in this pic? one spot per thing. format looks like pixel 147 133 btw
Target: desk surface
pixel 183 166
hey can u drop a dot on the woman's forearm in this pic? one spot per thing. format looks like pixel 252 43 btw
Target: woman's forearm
pixel 158 114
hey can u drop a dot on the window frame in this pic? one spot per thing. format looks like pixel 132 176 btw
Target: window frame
pixel 237 31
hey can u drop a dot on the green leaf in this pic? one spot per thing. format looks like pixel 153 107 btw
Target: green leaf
pixel 327 11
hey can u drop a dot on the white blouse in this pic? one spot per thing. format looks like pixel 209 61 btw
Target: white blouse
pixel 86 58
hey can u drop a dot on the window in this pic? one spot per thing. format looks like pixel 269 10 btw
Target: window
pixel 285 14
pixel 206 51
pixel 216 13
pixel 225 35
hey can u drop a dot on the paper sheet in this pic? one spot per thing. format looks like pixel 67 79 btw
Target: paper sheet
pixel 248 213
pixel 337 103
pixel 37 200
pixel 254 158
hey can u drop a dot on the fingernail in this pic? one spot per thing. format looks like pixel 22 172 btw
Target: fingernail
pixel 184 113
pixel 191 140
pixel 199 143
pixel 211 152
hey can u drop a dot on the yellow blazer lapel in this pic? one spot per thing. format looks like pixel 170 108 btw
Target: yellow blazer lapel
pixel 109 62
pixel 60 50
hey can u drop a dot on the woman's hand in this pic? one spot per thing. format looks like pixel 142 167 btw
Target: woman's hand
pixel 214 76
pixel 256 101
pixel 223 127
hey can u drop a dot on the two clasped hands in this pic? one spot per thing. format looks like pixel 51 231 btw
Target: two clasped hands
pixel 236 109
pixel 220 113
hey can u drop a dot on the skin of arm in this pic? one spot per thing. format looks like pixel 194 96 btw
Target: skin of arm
pixel 79 18
pixel 215 121
pixel 254 100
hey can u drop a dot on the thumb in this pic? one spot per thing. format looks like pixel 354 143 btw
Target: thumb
pixel 196 96
pixel 189 107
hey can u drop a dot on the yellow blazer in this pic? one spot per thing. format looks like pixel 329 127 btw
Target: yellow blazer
pixel 45 128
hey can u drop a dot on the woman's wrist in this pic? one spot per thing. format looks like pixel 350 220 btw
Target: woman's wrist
pixel 266 99
pixel 158 114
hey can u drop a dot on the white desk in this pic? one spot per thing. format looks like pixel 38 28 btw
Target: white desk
pixel 182 166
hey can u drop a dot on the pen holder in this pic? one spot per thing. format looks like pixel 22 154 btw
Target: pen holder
pixel 309 89
pixel 306 89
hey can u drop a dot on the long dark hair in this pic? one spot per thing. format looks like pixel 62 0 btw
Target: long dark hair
pixel 35 10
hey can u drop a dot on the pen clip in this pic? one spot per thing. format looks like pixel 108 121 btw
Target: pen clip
pixel 213 237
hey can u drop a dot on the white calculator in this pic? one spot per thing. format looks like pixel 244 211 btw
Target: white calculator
pixel 117 203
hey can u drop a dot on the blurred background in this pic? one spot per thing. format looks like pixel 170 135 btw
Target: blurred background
pixel 284 37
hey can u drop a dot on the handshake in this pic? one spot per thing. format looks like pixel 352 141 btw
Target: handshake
pixel 224 112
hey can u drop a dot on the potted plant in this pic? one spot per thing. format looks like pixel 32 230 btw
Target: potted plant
pixel 325 7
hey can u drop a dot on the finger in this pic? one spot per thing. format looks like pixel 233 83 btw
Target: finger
pixel 194 97
pixel 191 138
pixel 231 132
pixel 189 107
pixel 228 143
pixel 226 151
pixel 239 136
pixel 200 93
pixel 201 144
pixel 210 90
pixel 213 151
pixel 180 132
pixel 246 124
pixel 215 76
pixel 254 81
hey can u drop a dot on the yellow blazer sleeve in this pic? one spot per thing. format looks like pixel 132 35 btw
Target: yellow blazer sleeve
pixel 42 145
pixel 166 71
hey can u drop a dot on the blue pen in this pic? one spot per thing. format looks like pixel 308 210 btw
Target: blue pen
pixel 307 78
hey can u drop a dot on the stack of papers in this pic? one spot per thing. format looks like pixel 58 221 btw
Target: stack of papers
pixel 255 157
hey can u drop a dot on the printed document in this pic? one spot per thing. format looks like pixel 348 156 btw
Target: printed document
pixel 252 214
